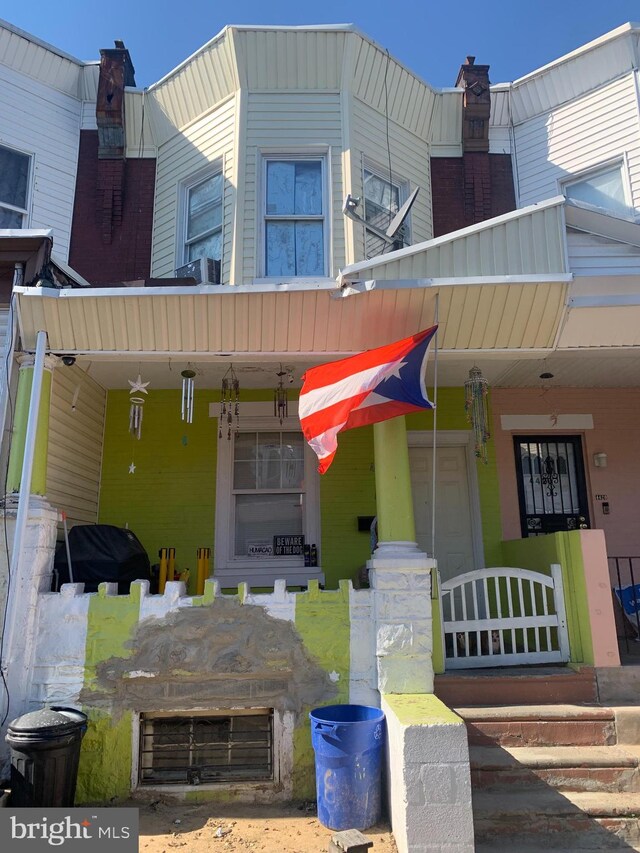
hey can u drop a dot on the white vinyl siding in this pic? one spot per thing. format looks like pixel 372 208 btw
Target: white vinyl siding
pixel 299 125
pixel 207 142
pixel 596 256
pixel 75 443
pixel 44 123
pixel 588 133
pixel 409 161
pixel 40 62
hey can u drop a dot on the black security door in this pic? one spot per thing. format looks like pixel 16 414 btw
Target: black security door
pixel 551 484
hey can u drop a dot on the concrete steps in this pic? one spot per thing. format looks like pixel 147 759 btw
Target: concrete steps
pixel 555 777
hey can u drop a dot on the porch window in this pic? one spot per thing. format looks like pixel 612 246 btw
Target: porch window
pixel 382 200
pixel 268 488
pixel 294 217
pixel 14 187
pixel 203 219
pixel 189 749
pixel 267 502
pixel 604 188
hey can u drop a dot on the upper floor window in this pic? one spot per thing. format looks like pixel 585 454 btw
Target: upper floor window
pixel 382 200
pixel 601 189
pixel 14 187
pixel 203 225
pixel 294 217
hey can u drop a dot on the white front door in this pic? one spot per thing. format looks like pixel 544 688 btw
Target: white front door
pixel 454 528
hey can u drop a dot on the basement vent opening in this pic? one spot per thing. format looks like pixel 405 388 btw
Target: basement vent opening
pixel 180 749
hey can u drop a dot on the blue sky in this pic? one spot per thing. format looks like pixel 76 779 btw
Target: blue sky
pixel 431 38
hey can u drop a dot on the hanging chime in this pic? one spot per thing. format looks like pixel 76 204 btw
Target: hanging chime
pixel 188 388
pixel 136 405
pixel 229 401
pixel 476 389
pixel 280 397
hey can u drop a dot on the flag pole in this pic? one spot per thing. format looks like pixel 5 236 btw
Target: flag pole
pixel 435 422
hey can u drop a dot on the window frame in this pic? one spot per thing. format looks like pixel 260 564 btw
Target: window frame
pixel 319 154
pixel 184 189
pixel 24 211
pixel 404 191
pixel 602 168
pixel 231 570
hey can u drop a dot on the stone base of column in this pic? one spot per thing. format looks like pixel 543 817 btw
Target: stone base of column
pixel 400 577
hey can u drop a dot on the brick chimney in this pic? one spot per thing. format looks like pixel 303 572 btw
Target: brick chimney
pixel 116 72
pixel 476 105
pixel 478 185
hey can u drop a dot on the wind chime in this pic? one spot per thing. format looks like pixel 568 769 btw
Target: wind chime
pixel 280 396
pixel 188 388
pixel 229 401
pixel 476 389
pixel 136 405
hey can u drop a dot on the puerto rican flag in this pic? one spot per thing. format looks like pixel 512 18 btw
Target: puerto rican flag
pixel 364 389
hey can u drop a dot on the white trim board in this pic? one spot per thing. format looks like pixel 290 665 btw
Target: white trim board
pixel 559 423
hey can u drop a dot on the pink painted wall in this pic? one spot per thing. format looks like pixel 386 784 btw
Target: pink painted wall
pixel 616 422
pixel 600 602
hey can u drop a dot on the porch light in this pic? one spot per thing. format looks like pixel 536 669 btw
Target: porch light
pixel 600 459
pixel 476 389
pixel 229 401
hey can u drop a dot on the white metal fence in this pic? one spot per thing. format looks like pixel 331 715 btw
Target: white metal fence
pixel 504 617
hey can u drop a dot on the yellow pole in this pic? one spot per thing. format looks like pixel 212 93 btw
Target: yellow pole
pixel 171 572
pixel 394 502
pixel 162 578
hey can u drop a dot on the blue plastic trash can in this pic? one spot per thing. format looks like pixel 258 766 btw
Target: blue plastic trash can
pixel 348 741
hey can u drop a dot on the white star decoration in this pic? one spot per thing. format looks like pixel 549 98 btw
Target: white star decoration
pixel 132 468
pixel 138 385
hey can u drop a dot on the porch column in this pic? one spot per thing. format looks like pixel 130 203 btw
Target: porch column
pixel 400 574
pixel 394 501
pixel 19 433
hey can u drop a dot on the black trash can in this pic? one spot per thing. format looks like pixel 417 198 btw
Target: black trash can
pixel 45 752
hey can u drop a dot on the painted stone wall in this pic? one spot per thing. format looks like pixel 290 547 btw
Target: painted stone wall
pixel 122 655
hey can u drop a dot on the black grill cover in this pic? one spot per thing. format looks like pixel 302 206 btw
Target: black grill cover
pixel 103 553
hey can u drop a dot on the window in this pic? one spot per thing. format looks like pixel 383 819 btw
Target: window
pixel 203 220
pixel 267 487
pixel 14 187
pixel 294 217
pixel 193 749
pixel 601 189
pixel 382 200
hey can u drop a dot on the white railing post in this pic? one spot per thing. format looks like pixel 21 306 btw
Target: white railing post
pixel 558 595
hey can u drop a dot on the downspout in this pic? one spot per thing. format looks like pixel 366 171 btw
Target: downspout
pixel 25 486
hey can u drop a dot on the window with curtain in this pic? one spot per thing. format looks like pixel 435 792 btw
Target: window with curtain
pixel 203 225
pixel 14 187
pixel 268 488
pixel 294 217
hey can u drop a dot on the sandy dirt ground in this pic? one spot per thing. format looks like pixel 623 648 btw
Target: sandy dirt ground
pixel 180 828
